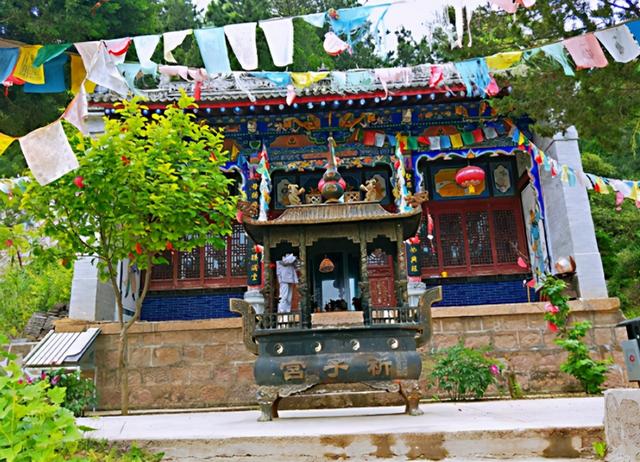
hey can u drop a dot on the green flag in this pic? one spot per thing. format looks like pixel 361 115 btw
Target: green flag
pixel 48 52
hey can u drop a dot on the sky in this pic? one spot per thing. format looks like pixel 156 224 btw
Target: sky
pixel 402 14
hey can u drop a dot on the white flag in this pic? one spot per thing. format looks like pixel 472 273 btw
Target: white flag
pixel 100 67
pixel 78 111
pixel 434 143
pixel 173 40
pixel 242 38
pixel 619 43
pixel 145 46
pixel 48 153
pixel 279 35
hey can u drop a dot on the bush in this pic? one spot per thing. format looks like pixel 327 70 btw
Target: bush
pixel 464 373
pixel 33 424
pixel 37 286
pixel 590 373
pixel 81 392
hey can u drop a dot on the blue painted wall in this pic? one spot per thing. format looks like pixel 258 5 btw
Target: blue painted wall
pixel 482 292
pixel 208 304
pixel 189 304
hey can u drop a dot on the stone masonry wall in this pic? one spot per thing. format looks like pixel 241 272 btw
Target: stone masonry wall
pixel 194 364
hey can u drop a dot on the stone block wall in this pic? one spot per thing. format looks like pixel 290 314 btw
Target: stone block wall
pixel 519 337
pixel 194 364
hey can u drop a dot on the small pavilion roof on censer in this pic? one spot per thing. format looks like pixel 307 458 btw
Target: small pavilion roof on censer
pixel 334 213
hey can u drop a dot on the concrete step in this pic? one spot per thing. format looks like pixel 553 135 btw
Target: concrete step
pixel 507 430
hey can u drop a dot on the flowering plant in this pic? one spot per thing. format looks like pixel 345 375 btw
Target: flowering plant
pixel 465 373
pixel 590 373
pixel 80 392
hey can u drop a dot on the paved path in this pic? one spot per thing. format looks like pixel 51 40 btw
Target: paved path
pixel 438 417
pixel 508 430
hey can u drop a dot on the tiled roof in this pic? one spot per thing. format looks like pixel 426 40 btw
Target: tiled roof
pixel 338 213
pixel 244 86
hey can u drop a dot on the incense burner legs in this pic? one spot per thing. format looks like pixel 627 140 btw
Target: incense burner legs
pixel 410 391
pixel 269 397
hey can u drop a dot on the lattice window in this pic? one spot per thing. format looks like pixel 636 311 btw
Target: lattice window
pixel 428 248
pixel 206 266
pixel 452 239
pixel 479 238
pixel 506 233
pixel 189 264
pixel 377 258
pixel 239 251
pixel 163 272
pixel 215 261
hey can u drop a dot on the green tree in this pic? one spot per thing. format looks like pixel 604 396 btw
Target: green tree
pixel 143 187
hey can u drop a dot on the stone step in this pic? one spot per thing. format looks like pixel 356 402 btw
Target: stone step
pixel 507 430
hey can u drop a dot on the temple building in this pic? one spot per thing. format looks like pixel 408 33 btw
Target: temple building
pixel 489 222
pixel 480 243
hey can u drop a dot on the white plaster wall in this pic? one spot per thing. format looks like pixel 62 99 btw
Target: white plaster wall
pixel 568 216
pixel 91 299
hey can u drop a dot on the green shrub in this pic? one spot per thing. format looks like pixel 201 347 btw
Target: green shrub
pixel 34 427
pixel 37 286
pixel 590 373
pixel 81 392
pixel 464 373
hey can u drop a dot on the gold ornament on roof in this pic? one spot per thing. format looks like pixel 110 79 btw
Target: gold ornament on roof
pixel 293 194
pixel 370 189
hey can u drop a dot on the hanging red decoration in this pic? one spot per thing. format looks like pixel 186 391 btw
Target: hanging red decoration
pixel 470 177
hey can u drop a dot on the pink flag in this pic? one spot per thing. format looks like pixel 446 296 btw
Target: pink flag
pixel 510 6
pixel 585 51
pixel 436 76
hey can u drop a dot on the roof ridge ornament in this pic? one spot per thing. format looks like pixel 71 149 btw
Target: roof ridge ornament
pixel 332 186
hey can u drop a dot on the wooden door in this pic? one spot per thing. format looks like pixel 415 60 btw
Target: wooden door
pixel 381 280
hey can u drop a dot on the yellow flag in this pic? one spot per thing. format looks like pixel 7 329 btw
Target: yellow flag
pixel 456 141
pixel 602 187
pixel 24 67
pixel 5 142
pixel 501 61
pixel 306 79
pixel 78 74
pixel 521 139
pixel 402 140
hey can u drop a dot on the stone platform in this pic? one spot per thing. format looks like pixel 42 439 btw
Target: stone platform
pixel 513 430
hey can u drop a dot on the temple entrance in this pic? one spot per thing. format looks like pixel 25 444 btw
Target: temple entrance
pixel 381 279
pixel 336 290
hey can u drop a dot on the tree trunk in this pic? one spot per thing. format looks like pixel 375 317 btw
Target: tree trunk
pixel 123 364
pixel 123 357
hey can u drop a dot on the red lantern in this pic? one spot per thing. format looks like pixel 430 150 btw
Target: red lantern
pixel 470 177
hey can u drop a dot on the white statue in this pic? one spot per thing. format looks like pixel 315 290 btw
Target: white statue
pixel 287 277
